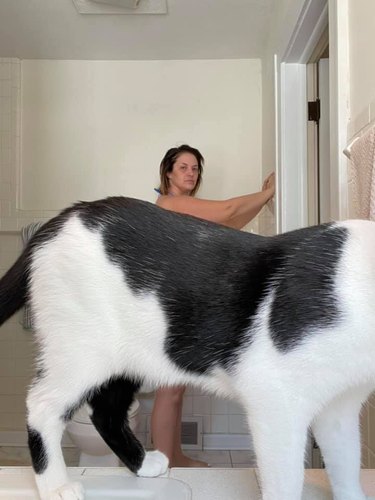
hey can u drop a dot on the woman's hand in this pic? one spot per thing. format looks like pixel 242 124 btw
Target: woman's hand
pixel 269 184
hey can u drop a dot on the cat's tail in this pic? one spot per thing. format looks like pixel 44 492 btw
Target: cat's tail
pixel 13 287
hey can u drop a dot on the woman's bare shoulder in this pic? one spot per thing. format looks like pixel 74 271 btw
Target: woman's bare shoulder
pixel 162 201
pixel 205 209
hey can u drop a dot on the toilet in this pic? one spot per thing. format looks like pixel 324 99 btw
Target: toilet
pixel 94 451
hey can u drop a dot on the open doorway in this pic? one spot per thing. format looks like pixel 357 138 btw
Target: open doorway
pixel 295 207
pixel 318 134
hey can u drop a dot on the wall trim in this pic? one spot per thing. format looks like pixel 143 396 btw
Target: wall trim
pixel 210 441
pixel 293 146
pixel 19 438
pixel 339 104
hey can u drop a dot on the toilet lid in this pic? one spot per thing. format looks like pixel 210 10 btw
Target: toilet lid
pixel 82 415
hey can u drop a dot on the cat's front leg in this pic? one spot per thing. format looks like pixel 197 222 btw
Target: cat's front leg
pixel 279 432
pixel 337 432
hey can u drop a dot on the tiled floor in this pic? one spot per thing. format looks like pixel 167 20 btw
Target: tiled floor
pixel 12 455
pixel 225 458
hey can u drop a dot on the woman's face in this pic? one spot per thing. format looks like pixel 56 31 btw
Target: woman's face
pixel 184 175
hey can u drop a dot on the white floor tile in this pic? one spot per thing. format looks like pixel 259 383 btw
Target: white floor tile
pixel 242 456
pixel 211 456
pixel 220 466
pixel 250 465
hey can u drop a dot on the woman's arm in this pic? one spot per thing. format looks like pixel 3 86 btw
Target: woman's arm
pixel 235 212
pixel 269 183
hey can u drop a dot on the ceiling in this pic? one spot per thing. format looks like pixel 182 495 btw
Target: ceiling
pixel 192 29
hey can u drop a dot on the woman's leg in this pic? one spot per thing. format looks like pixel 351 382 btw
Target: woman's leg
pixel 179 459
pixel 166 426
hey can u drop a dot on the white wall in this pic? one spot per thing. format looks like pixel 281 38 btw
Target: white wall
pixel 362 67
pixel 119 135
pixel 97 128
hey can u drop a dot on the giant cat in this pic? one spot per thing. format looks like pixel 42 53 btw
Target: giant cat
pixel 125 293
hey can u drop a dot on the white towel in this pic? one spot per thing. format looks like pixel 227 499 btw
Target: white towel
pixel 362 175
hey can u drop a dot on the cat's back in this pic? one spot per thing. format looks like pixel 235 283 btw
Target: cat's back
pixel 144 239
pixel 151 249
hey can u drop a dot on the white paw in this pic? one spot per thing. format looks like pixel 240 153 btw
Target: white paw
pixel 69 491
pixel 154 464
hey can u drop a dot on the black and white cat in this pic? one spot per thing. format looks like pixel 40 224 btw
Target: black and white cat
pixel 124 292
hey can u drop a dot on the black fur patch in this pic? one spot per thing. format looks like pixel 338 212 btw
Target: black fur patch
pixel 304 293
pixel 37 450
pixel 110 404
pixel 210 279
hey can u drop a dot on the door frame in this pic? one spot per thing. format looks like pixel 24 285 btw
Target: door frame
pixel 291 111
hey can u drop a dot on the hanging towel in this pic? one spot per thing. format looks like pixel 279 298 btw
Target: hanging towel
pixel 27 232
pixel 362 175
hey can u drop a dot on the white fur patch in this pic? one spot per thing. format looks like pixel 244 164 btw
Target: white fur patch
pixel 154 464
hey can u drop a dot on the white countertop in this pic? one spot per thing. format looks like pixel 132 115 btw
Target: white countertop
pixel 214 484
pixel 242 484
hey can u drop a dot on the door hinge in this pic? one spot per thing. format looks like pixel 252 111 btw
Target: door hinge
pixel 314 111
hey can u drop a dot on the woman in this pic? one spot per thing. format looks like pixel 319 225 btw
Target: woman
pixel 180 177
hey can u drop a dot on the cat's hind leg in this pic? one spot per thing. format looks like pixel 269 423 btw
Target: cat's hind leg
pixel 46 420
pixel 337 432
pixel 110 405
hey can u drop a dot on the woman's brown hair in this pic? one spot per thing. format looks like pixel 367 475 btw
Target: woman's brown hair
pixel 169 160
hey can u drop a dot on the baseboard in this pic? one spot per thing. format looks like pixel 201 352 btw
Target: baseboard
pixel 210 441
pixel 227 442
pixel 13 438
pixel 19 438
